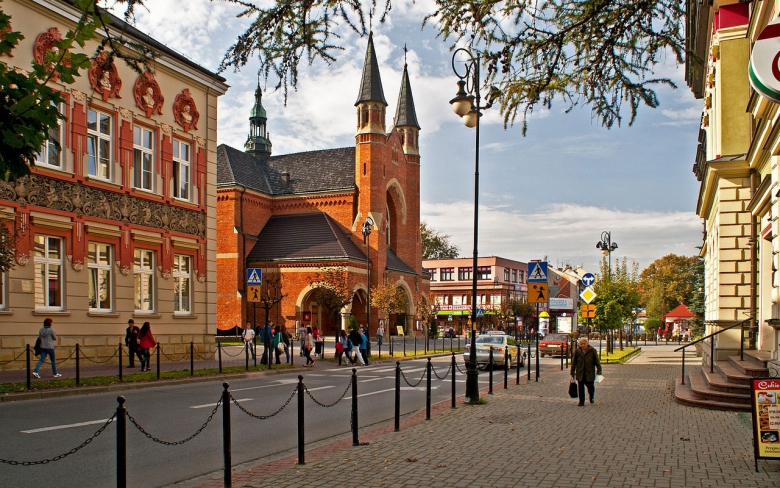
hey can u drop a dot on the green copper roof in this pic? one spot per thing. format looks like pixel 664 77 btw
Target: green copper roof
pixel 258 110
pixel 371 84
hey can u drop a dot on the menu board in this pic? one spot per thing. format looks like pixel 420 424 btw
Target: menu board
pixel 765 400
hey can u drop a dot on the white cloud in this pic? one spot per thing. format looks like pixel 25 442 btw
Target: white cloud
pixel 565 232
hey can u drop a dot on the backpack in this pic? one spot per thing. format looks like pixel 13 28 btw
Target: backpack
pixel 37 346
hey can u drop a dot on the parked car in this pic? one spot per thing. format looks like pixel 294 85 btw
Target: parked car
pixel 554 345
pixel 500 342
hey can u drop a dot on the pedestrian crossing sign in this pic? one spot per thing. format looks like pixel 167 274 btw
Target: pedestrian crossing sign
pixel 538 293
pixel 254 276
pixel 537 272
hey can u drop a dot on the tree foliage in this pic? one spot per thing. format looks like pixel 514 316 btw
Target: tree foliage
pixel 28 105
pixel 436 245
pixel 599 53
pixel 427 308
pixel 391 298
pixel 617 295
pixel 668 282
pixel 331 290
pixel 696 301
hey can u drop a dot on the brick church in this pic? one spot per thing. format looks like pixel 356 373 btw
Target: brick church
pixel 296 215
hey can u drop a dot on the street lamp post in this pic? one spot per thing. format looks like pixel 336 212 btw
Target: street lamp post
pixel 466 105
pixel 607 246
pixel 369 222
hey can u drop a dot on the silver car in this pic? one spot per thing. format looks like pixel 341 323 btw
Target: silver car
pixel 500 343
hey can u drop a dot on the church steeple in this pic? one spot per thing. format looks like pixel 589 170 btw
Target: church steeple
pixel 406 117
pixel 258 144
pixel 371 103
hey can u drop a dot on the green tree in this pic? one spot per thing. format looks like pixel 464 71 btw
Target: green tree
pixel 436 245
pixel 668 282
pixel 599 53
pixel 696 301
pixel 617 296
pixel 332 292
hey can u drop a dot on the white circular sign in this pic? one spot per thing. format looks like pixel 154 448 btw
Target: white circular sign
pixel 764 69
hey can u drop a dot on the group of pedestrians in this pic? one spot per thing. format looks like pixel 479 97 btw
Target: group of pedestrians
pixel 352 348
pixel 273 338
pixel 139 343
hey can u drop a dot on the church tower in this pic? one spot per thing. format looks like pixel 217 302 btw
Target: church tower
pixel 258 144
pixel 371 104
pixel 406 120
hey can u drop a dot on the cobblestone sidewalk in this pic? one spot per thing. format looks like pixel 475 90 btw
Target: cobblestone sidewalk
pixel 534 435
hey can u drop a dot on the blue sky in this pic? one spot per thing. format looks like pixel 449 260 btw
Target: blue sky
pixel 549 194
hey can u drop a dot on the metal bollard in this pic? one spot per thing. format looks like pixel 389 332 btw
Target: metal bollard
pixel 355 441
pixel 454 366
pixel 27 359
pixel 428 391
pixel 490 375
pixel 537 357
pixel 192 359
pixel 562 354
pixel 404 338
pixel 121 443
pixel 397 396
pixel 415 345
pixel 226 440
pixel 119 353
pixel 301 424
pixel 519 352
pixel 506 368
pixel 528 360
pixel 78 369
pixel 158 361
pixel 219 356
pixel 246 358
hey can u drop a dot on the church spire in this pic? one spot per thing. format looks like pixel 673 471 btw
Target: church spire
pixel 406 117
pixel 258 143
pixel 371 84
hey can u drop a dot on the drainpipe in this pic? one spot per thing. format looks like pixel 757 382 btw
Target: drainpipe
pixel 753 311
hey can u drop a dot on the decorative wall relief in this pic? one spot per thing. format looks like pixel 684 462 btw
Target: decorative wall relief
pixel 82 200
pixel 22 259
pixel 104 77
pixel 147 94
pixel 184 111
pixel 43 44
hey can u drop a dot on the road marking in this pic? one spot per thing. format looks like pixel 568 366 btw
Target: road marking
pixel 66 426
pixel 369 394
pixel 321 388
pixel 375 379
pixel 212 405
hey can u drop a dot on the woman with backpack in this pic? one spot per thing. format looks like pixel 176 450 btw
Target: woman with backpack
pixel 145 343
pixel 308 345
pixel 278 343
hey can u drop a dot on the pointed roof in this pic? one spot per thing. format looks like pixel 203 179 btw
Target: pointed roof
pixel 405 114
pixel 681 312
pixel 258 110
pixel 371 84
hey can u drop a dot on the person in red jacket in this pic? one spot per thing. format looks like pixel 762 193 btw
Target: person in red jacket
pixel 145 343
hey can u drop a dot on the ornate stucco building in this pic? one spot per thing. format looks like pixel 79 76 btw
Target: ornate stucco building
pixel 120 221
pixel 295 215
pixel 737 166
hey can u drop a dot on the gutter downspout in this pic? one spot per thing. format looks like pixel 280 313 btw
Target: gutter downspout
pixel 753 266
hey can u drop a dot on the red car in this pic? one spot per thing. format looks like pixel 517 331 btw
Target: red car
pixel 554 345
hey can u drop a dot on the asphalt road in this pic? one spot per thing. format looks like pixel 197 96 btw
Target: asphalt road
pixel 42 429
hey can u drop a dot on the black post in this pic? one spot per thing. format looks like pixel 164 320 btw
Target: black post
pixel 428 391
pixel 415 345
pixel 397 396
pixel 682 380
pixel 355 441
pixel 528 359
pixel 506 368
pixel 119 353
pixel 246 358
pixel 219 356
pixel 490 375
pixel 121 443
pixel 404 338
pixel 301 424
pixel 192 359
pixel 712 354
pixel 563 354
pixel 519 353
pixel 454 366
pixel 158 361
pixel 27 359
pixel 391 346
pixel 537 355
pixel 78 368
pixel 226 440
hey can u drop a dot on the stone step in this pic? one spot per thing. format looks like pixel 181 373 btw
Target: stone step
pixel 732 374
pixel 749 366
pixel 718 381
pixel 684 396
pixel 761 357
pixel 701 389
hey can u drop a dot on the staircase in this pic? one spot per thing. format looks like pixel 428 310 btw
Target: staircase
pixel 727 387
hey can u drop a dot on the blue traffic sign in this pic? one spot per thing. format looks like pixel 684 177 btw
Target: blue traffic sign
pixel 537 272
pixel 588 279
pixel 480 312
pixel 254 276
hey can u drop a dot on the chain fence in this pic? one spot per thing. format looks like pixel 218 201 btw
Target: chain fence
pixel 182 358
pixel 445 374
pixel 64 455
pixel 264 417
pixel 206 358
pixel 175 443
pixel 14 359
pixel 461 371
pixel 416 384
pixel 83 356
pixel 328 405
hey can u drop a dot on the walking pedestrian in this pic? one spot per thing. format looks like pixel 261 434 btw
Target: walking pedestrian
pixel 265 338
pixel 131 341
pixel 308 346
pixel 318 342
pixel 355 341
pixel 249 338
pixel 278 343
pixel 146 342
pixel 287 342
pixel 380 334
pixel 363 346
pixel 340 346
pixel 48 340
pixel 301 338
pixel 584 369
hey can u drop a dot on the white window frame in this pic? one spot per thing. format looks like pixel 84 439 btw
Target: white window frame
pixel 3 291
pixel 139 164
pixel 101 274
pixel 182 277
pixel 147 259
pixel 181 163
pixel 46 262
pixel 99 161
pixel 42 157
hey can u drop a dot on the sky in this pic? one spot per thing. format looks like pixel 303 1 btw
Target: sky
pixel 548 195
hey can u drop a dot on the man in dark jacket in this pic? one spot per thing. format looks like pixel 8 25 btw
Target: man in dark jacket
pixel 131 341
pixel 584 368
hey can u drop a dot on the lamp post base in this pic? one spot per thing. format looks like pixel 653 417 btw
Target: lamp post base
pixel 472 384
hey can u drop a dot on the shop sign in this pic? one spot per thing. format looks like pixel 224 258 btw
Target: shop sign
pixel 763 69
pixel 765 402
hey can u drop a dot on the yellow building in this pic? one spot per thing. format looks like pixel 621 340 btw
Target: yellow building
pixel 736 163
pixel 121 222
